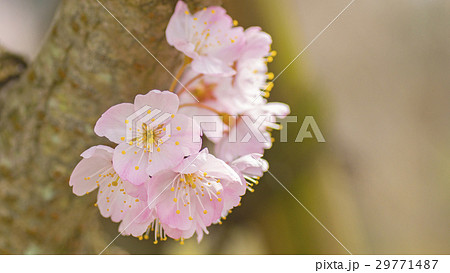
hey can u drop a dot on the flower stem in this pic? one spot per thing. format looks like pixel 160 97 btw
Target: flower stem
pixel 201 106
pixel 180 72
pixel 189 83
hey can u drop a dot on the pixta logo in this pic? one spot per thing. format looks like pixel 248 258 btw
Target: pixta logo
pixel 244 129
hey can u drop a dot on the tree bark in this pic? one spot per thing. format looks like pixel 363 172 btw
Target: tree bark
pixel 88 63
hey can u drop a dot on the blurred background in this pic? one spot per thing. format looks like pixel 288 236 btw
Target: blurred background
pixel 377 83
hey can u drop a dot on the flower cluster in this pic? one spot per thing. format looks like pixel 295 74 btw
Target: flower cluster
pixel 158 178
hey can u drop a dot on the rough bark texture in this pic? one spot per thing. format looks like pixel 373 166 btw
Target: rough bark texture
pixel 88 63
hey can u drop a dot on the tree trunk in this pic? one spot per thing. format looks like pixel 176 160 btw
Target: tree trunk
pixel 88 63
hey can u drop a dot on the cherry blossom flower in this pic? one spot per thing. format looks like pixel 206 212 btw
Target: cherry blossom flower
pixel 156 180
pixel 207 37
pixel 194 194
pixel 232 95
pixel 153 148
pixel 116 198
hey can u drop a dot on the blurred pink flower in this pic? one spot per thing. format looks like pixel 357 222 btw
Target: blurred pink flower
pixel 231 95
pixel 252 73
pixel 207 37
pixel 238 93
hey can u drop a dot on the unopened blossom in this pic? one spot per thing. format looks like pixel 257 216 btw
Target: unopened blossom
pixel 116 198
pixel 153 147
pixel 193 195
pixel 251 132
pixel 207 37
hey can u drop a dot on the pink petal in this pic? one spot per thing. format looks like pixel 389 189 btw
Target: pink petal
pixel 84 176
pixel 176 32
pixel 182 130
pixel 131 162
pixel 158 185
pixel 100 151
pixel 277 109
pixel 161 196
pixel 218 168
pixel 165 101
pixel 230 150
pixel 213 209
pixel 215 16
pixel 231 196
pixel 251 164
pixel 178 233
pixel 192 163
pixel 167 213
pixel 211 124
pixel 249 82
pixel 177 146
pixel 168 156
pixel 112 202
pixel 138 191
pixel 112 123
pixel 257 43
pixel 233 43
pixel 137 220
pixel 212 66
